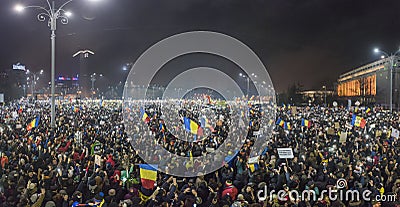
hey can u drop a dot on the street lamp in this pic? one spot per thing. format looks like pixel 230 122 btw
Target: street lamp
pixel 324 87
pixel 391 62
pixel 51 14
pixel 93 79
pixel 35 76
pixel 248 82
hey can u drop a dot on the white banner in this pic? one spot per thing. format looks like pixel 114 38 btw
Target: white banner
pixel 253 160
pixel 285 153
pixel 395 133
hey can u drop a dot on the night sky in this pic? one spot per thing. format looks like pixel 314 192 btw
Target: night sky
pixel 309 42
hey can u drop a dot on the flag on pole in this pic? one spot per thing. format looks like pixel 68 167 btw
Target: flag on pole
pixel 162 127
pixel 280 122
pixel 253 164
pixel 20 109
pixel 358 121
pixel 306 123
pixel 148 175
pixel 287 126
pixel 144 115
pixel 253 167
pixel 75 109
pixel 191 126
pixel 34 123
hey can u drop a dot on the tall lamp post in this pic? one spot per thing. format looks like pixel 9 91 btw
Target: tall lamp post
pixel 51 14
pixel 93 80
pixel 391 62
pixel 248 81
pixel 35 78
pixel 324 87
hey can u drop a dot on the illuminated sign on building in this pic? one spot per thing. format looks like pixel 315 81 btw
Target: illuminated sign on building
pixel 63 78
pixel 18 66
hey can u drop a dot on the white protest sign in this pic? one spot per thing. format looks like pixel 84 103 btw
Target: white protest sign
pixel 253 160
pixel 343 137
pixel 210 149
pixel 14 114
pixel 395 133
pixel 256 133
pixel 285 153
pixel 97 160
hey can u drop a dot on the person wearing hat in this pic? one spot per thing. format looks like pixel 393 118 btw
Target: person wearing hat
pixel 111 196
pixel 230 190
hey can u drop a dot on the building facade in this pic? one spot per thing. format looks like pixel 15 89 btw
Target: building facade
pixel 370 83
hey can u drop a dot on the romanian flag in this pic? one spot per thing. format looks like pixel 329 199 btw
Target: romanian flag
pixel 34 123
pixel 253 167
pixel 305 122
pixel 144 115
pixel 367 110
pixel 287 126
pixel 358 121
pixel 191 126
pixel 148 175
pixel 19 109
pixel 253 164
pixel 75 109
pixel 280 122
pixel 162 127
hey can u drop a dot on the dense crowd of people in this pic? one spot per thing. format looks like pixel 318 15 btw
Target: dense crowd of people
pixel 87 160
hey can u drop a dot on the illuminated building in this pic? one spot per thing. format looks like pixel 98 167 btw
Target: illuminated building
pixel 370 83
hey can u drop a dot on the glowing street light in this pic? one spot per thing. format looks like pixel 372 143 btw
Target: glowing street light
pixel 19 8
pixel 68 13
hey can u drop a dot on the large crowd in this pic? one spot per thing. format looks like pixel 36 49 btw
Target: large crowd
pixel 87 160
